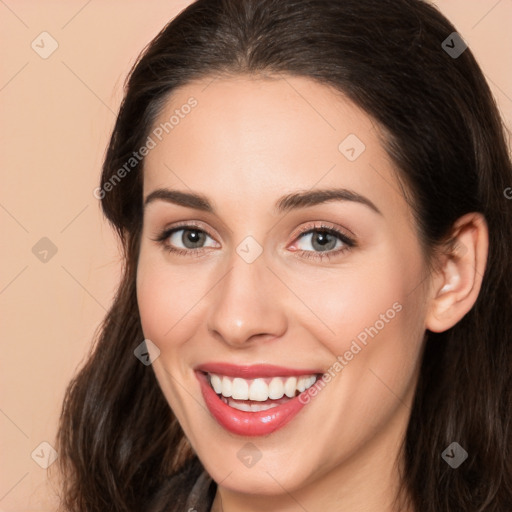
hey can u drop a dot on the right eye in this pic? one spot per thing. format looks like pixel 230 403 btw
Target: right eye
pixel 184 239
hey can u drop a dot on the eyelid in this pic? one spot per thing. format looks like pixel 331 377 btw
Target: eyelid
pixel 167 230
pixel 326 226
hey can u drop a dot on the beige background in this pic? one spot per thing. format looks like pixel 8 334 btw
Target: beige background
pixel 57 114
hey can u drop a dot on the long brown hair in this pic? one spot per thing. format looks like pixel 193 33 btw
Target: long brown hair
pixel 118 438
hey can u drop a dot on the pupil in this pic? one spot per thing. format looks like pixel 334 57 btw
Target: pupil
pixel 192 236
pixel 323 240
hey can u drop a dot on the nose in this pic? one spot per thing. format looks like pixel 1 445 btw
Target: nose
pixel 246 304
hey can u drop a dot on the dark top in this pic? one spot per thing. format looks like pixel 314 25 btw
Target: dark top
pixel 202 494
pixel 192 489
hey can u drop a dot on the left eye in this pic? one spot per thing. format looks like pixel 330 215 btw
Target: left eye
pixel 322 240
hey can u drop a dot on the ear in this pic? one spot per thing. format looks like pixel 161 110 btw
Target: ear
pixel 456 284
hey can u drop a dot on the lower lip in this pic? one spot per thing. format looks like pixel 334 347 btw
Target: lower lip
pixel 246 423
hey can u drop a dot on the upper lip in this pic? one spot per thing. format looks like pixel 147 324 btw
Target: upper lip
pixel 253 371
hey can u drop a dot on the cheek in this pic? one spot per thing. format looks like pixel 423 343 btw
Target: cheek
pixel 170 300
pixel 377 324
pixel 166 301
pixel 152 299
pixel 373 318
pixel 372 291
pixel 163 298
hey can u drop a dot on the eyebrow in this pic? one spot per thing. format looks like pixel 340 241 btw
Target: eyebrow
pixel 285 204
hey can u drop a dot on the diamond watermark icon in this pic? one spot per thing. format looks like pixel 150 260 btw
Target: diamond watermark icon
pixel 249 249
pixel 454 45
pixel 454 455
pixel 44 45
pixel 249 454
pixel 44 455
pixel 351 147
pixel 44 250
pixel 147 352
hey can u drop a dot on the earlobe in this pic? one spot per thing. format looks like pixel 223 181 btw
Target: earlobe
pixel 456 285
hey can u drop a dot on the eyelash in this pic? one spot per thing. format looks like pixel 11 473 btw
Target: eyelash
pixel 348 242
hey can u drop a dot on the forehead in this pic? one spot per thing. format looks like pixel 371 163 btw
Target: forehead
pixel 262 137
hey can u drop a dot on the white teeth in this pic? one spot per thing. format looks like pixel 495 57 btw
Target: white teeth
pixel 242 406
pixel 276 388
pixel 301 384
pixel 216 383
pixel 262 407
pixel 226 387
pixel 260 389
pixel 290 387
pixel 240 389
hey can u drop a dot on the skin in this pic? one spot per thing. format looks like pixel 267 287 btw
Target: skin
pixel 248 142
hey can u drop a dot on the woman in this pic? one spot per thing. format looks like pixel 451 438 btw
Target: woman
pixel 314 310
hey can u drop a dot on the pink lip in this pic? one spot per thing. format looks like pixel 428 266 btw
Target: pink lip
pixel 245 423
pixel 254 371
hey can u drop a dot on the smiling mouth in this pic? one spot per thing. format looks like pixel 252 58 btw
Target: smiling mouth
pixel 255 400
pixel 259 394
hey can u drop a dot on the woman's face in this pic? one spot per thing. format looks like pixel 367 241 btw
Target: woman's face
pixel 262 277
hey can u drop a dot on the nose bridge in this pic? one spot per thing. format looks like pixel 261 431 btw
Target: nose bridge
pixel 243 304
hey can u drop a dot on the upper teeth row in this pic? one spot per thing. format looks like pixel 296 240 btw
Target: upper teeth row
pixel 259 389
